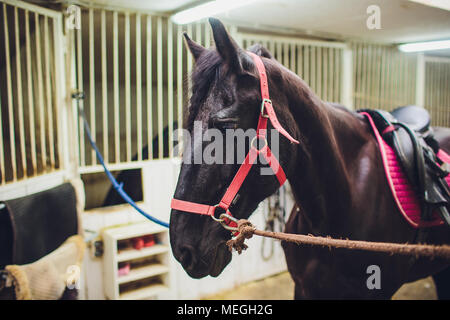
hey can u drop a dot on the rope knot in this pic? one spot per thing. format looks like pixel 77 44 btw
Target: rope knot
pixel 246 230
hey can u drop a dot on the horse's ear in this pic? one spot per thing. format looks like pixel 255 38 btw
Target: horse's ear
pixel 193 47
pixel 225 45
pixel 259 50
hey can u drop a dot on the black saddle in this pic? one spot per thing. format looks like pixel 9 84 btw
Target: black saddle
pixel 417 118
pixel 407 130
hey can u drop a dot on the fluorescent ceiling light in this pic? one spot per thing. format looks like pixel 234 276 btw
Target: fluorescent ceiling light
pixel 208 9
pixel 424 46
pixel 441 4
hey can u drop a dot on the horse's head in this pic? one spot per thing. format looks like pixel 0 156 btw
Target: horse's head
pixel 226 95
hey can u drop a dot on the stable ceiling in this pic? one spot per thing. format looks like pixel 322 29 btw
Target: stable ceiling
pixel 401 20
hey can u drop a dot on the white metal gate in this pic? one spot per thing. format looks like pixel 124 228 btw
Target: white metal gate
pixel 32 97
pixel 321 64
pixel 134 69
pixel 437 90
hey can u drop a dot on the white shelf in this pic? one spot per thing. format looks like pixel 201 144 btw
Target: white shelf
pixel 131 253
pixel 157 266
pixel 144 293
pixel 134 230
pixel 147 271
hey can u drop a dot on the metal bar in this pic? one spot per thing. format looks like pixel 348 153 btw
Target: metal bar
pixel 382 77
pixel 420 80
pixel 319 72
pixel 300 61
pixel 40 92
pixel 66 121
pixel 116 87
pixel 12 142
pixel 189 57
pixel 82 149
pixel 160 87
pixel 2 153
pixel 19 93
pixel 170 85
pixel 149 89
pixel 325 81
pixel 72 104
pixel 286 55
pixel 138 87
pixel 446 122
pixel 127 88
pixel 48 86
pixel 293 56
pixel 306 65
pixel 30 93
pixel 331 84
pixel 179 83
pixel 313 69
pixel 363 92
pixel 369 71
pixel 104 88
pixel 92 106
pixel 343 89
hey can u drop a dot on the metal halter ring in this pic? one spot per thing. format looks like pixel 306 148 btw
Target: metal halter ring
pixel 252 143
pixel 224 216
pixel 220 220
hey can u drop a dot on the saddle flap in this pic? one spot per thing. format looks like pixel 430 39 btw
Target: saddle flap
pixel 37 224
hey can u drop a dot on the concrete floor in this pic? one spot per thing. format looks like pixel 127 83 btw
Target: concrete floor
pixel 281 287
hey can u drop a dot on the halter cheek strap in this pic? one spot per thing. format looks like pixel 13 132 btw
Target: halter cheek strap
pixel 267 113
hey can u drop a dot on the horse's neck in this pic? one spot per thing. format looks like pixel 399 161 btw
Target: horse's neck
pixel 322 183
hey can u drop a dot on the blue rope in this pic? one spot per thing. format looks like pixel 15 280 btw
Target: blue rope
pixel 116 185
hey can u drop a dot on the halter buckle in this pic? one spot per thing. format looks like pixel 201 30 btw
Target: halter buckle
pixel 263 103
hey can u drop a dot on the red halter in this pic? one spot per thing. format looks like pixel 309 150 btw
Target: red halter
pixel 267 112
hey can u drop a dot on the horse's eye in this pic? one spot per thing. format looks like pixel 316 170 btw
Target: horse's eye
pixel 224 123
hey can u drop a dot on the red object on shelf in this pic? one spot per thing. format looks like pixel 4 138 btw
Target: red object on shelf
pixel 149 241
pixel 124 270
pixel 138 243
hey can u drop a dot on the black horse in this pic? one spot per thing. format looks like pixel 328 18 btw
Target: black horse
pixel 336 175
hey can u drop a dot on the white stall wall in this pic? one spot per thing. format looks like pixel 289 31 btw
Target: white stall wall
pixel 159 181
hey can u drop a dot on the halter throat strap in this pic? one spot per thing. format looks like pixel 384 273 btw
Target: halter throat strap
pixel 267 113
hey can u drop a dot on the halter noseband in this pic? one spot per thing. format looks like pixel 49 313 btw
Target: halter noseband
pixel 267 112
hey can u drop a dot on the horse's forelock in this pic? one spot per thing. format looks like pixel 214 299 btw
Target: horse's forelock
pixel 203 75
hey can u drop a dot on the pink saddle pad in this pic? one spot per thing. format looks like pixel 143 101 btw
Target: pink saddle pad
pixel 402 191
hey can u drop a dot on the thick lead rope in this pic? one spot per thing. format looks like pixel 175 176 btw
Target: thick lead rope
pixel 247 230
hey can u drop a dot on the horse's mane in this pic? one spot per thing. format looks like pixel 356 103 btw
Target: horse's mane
pixel 205 73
